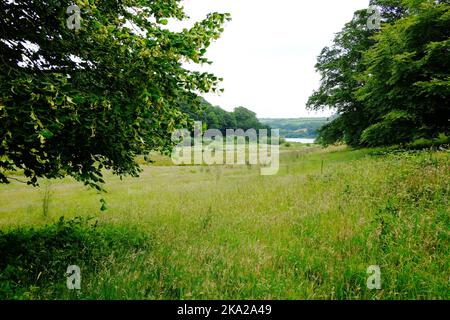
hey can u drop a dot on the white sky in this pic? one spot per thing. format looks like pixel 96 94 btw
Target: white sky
pixel 268 51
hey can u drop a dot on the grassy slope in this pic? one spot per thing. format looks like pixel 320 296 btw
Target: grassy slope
pixel 219 232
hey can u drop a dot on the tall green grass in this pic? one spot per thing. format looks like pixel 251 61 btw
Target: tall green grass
pixel 225 232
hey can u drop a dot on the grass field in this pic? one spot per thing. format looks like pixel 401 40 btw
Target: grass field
pixel 224 232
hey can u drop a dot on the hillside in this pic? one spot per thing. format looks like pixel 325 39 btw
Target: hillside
pixel 296 128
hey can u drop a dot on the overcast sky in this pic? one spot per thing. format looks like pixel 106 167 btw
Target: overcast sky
pixel 268 51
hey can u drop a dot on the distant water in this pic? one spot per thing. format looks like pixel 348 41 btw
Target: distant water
pixel 301 140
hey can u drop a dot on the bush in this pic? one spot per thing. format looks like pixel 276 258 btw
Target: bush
pixel 35 259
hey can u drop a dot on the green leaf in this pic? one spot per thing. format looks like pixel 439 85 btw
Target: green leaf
pixel 47 134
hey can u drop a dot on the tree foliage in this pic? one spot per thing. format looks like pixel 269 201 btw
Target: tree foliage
pixel 391 86
pixel 73 102
pixel 216 118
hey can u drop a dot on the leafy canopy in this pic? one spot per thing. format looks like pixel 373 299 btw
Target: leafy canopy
pixel 73 102
pixel 390 86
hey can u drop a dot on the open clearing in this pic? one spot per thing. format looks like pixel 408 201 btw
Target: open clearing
pixel 222 232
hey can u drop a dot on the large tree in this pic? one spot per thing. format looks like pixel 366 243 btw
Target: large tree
pixel 390 86
pixel 75 101
pixel 340 66
pixel 407 81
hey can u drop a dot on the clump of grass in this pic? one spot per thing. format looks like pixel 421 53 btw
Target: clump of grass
pixel 33 261
pixel 46 200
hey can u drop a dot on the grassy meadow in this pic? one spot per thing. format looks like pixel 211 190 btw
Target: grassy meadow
pixel 226 232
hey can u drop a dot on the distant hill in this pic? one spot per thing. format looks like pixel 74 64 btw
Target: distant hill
pixel 296 128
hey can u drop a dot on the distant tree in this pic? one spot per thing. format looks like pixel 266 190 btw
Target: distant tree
pixel 228 121
pixel 216 118
pixel 246 119
pixel 212 120
pixel 73 102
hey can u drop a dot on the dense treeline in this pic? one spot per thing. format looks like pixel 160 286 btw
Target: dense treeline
pixel 216 118
pixel 389 86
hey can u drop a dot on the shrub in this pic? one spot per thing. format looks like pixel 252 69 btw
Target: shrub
pixel 34 259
